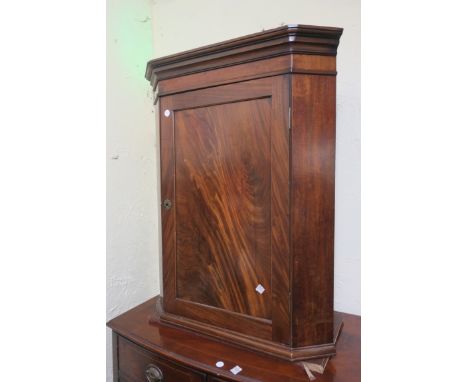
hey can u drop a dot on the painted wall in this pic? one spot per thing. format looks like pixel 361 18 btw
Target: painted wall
pixel 179 25
pixel 132 221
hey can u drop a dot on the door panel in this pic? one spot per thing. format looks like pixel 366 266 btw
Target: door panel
pixel 224 166
pixel 222 203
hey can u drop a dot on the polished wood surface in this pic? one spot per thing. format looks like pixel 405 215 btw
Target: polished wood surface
pixel 247 132
pixel 295 63
pixel 192 353
pixel 312 207
pixel 223 167
pixel 285 40
pixel 134 361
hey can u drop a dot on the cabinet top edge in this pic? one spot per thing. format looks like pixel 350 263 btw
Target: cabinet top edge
pixel 288 39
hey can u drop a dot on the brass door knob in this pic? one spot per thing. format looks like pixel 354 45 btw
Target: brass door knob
pixel 154 374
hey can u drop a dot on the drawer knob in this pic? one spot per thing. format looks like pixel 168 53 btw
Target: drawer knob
pixel 154 374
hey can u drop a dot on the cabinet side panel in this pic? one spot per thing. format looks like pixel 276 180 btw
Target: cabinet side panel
pixel 312 207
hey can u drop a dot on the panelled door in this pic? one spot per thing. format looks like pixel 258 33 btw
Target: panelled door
pixel 225 194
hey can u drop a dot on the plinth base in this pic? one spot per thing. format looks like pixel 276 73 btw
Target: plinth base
pixel 252 343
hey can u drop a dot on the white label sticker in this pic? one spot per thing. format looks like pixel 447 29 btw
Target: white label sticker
pixel 260 289
pixel 236 370
pixel 219 364
pixel 167 113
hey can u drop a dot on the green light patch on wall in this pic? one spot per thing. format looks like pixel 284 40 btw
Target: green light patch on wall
pixel 130 34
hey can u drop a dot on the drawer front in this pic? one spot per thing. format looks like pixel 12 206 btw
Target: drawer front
pixel 135 362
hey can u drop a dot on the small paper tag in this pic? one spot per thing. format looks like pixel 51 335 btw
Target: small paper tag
pixel 219 364
pixel 260 289
pixel 236 370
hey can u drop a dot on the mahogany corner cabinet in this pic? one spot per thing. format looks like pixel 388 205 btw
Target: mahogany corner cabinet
pixel 247 153
pixel 247 134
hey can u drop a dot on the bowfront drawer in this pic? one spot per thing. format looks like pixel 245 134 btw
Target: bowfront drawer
pixel 138 365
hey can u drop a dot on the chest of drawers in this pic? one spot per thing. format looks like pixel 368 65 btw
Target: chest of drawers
pixel 147 351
